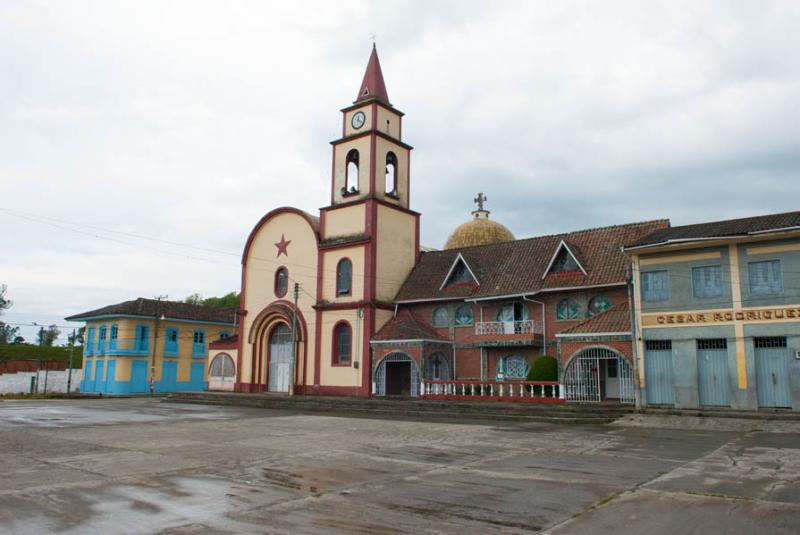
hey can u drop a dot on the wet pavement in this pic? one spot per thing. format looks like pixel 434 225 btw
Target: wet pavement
pixel 142 466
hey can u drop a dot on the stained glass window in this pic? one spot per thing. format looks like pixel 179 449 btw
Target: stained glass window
pixel 440 317
pixel 567 309
pixel 599 304
pixel 464 315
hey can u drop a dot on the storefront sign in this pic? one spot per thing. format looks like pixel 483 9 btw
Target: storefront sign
pixel 758 314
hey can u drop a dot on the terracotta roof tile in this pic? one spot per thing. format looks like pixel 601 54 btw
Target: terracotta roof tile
pixel 169 309
pixel 516 267
pixel 617 319
pixel 407 326
pixel 720 229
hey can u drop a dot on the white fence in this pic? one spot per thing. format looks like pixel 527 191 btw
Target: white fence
pixel 20 382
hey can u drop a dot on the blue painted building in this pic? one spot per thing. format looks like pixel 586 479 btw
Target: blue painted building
pixel 718 314
pixel 132 345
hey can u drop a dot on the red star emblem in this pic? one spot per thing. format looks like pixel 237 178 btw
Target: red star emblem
pixel 282 246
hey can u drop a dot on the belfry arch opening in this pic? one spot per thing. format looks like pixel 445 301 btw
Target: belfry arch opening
pixel 351 173
pixel 391 174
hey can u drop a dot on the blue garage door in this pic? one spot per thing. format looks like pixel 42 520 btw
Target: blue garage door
pixel 169 376
pixel 772 372
pixel 197 381
pixel 99 376
pixel 658 372
pixel 712 372
pixel 87 377
pixel 139 377
pixel 111 373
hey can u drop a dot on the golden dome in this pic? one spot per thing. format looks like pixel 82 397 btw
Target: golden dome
pixel 480 230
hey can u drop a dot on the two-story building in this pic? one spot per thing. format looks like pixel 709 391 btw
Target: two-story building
pixel 146 345
pixel 718 314
pixel 486 307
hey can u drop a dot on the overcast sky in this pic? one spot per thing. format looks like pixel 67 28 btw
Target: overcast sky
pixel 185 122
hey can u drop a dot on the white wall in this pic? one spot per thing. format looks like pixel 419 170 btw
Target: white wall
pixel 20 383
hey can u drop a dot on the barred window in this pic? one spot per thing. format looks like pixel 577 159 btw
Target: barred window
pixel 707 281
pixel 767 342
pixel 658 345
pixel 712 343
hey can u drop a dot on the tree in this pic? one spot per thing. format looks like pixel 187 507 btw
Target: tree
pixel 229 300
pixel 8 333
pixel 48 336
pixel 77 338
pixel 4 301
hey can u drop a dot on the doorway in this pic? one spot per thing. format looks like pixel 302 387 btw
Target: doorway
pixel 280 358
pixel 398 378
pixel 397 375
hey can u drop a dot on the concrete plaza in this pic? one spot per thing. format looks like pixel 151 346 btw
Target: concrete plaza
pixel 143 466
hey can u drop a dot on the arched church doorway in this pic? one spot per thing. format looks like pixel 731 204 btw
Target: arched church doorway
pixel 280 358
pixel 397 375
pixel 598 374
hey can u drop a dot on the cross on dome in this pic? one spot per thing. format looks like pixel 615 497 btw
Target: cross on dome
pixel 479 200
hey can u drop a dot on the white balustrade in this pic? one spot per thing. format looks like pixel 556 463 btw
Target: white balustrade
pixel 528 390
pixel 483 328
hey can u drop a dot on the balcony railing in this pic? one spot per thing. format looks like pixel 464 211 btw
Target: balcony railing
pixel 530 391
pixel 483 328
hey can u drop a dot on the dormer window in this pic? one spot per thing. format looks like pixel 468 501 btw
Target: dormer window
pixel 563 261
pixel 460 273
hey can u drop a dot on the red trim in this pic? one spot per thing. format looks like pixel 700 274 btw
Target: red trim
pixel 275 282
pixel 343 245
pixel 335 343
pixel 368 133
pixel 373 160
pixel 365 200
pixel 338 267
pixel 352 304
pixel 283 210
pixel 366 365
pixel 416 239
pixel 363 104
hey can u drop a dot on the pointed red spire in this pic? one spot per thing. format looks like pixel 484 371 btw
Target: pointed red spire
pixel 373 84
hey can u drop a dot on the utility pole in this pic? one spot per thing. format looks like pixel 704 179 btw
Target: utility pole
pixel 39 357
pixel 155 347
pixel 294 339
pixel 69 372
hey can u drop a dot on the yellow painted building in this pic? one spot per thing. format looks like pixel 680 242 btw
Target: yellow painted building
pixel 147 345
pixel 341 268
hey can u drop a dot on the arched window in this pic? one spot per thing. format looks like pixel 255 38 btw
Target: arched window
pixel 344 277
pixel 351 173
pixel 391 173
pixel 440 317
pixel 513 368
pixel 222 366
pixel 464 316
pixel 567 309
pixel 342 344
pixel 598 304
pixel 281 281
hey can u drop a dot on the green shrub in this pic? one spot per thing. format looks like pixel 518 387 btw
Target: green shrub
pixel 544 368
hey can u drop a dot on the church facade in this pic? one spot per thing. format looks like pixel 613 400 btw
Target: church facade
pixel 342 268
pixel 344 302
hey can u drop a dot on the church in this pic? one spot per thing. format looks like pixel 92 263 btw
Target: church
pixel 346 303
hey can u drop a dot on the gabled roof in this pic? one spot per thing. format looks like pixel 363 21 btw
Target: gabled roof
pixel 615 320
pixel 373 85
pixel 407 326
pixel 730 228
pixel 151 308
pixel 459 259
pixel 563 246
pixel 516 267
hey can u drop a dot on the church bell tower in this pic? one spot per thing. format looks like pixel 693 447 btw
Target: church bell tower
pixel 367 234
